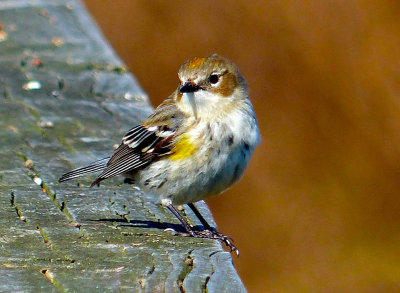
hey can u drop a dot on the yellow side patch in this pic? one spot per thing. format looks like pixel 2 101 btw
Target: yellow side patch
pixel 196 62
pixel 183 149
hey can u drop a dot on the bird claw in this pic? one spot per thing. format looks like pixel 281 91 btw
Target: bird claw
pixel 209 234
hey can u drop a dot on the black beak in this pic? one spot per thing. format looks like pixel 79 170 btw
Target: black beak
pixel 189 87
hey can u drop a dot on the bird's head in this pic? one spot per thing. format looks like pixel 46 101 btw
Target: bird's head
pixel 209 84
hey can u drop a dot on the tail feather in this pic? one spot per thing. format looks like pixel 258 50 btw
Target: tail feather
pixel 97 166
pixel 97 181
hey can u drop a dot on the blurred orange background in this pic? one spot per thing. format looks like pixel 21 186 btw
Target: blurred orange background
pixel 318 209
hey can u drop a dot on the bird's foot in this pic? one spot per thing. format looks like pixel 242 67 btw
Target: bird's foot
pixel 210 234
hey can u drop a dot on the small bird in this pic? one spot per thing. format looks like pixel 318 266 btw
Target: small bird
pixel 196 144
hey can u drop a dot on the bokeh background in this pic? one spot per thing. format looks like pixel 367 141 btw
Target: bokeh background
pixel 319 208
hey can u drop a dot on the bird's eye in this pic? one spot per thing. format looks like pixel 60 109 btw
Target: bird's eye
pixel 213 78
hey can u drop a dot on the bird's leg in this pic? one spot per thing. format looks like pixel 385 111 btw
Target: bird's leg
pixel 208 233
pixel 209 230
pixel 200 217
pixel 176 213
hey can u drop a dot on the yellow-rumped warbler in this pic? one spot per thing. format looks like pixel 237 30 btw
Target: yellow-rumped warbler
pixel 196 144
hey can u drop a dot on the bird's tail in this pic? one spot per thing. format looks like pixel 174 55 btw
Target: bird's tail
pixel 97 166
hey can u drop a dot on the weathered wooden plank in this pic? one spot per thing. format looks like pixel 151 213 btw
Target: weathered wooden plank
pixel 65 100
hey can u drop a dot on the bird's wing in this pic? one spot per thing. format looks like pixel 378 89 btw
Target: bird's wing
pixel 146 142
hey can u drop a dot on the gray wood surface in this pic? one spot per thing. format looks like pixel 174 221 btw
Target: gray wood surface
pixel 65 100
